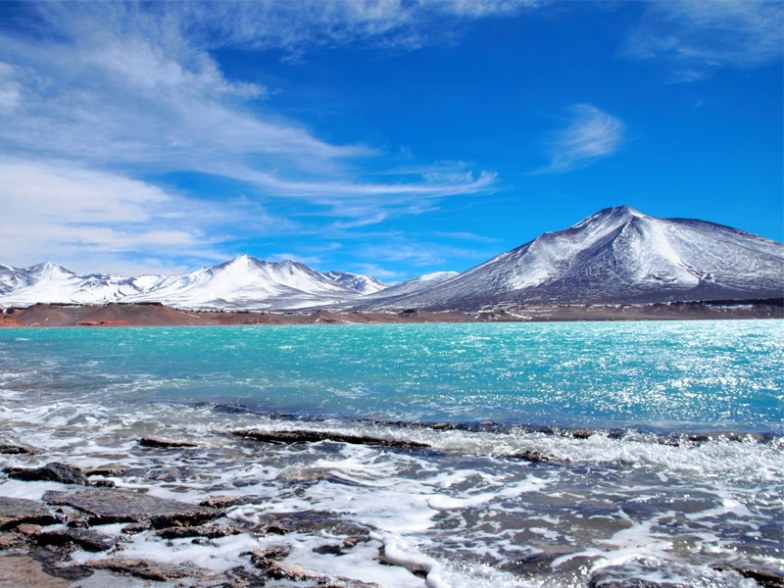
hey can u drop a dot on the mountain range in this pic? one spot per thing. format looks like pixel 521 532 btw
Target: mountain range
pixel 616 256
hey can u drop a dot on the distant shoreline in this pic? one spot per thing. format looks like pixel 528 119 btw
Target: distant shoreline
pixel 152 314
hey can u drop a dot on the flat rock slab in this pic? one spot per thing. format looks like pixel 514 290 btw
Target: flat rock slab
pixel 161 443
pixel 85 538
pixel 316 436
pixel 16 511
pixel 10 449
pixel 149 570
pixel 51 472
pixel 20 570
pixel 105 506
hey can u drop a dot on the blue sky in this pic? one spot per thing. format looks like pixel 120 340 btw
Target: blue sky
pixel 390 137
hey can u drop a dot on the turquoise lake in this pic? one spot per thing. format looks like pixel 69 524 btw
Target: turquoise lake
pixel 670 376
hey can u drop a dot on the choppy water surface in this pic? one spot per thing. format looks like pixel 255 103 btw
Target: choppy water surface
pixel 640 496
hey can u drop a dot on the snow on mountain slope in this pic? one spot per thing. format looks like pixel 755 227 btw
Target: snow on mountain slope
pixel 389 297
pixel 358 282
pixel 49 282
pixel 243 283
pixel 11 279
pixel 618 255
pixel 246 283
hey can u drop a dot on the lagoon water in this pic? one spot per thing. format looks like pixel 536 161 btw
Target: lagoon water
pixel 643 479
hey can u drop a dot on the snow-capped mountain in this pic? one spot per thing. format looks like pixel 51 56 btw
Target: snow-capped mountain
pixel 358 282
pixel 618 255
pixel 390 295
pixel 49 282
pixel 248 283
pixel 244 283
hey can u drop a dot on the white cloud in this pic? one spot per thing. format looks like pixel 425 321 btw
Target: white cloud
pixel 589 135
pixel 89 220
pixel 420 254
pixel 135 88
pixel 699 35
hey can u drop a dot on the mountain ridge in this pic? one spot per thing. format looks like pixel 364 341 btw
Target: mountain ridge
pixel 618 255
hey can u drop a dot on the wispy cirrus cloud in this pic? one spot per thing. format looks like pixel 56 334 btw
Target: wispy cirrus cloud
pixel 93 220
pixel 696 37
pixel 104 96
pixel 590 134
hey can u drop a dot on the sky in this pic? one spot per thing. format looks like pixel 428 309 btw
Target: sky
pixel 387 137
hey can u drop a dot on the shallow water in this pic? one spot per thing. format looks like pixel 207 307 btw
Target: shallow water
pixel 639 497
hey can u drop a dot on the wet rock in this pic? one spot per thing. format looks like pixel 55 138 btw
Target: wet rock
pixel 262 558
pixel 103 484
pixel 55 563
pixel 9 540
pixel 104 506
pixel 29 529
pixel 220 501
pixel 161 443
pixel 135 528
pixel 311 522
pixel 164 474
pixel 22 570
pixel 146 570
pixel 617 578
pixel 580 433
pixel 15 511
pixel 764 578
pixel 300 436
pixel 86 539
pixel 51 472
pixel 329 549
pixel 107 470
pixel 78 524
pixel 278 570
pixel 210 532
pixel 533 456
pixel 10 449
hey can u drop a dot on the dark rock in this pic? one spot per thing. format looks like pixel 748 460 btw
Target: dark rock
pixel 22 570
pixel 55 563
pixel 51 472
pixel 211 532
pixel 764 578
pixel 311 522
pixel 146 570
pixel 330 549
pixel 84 538
pixel 103 484
pixel 15 511
pixel 78 524
pixel 107 470
pixel 580 433
pixel 261 558
pixel 278 570
pixel 316 436
pixel 617 577
pixel 135 528
pixel 220 501
pixel 104 506
pixel 165 443
pixel 10 449
pixel 532 455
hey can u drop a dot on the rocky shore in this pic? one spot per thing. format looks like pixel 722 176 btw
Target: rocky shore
pixel 76 533
pixel 94 518
pixel 153 314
